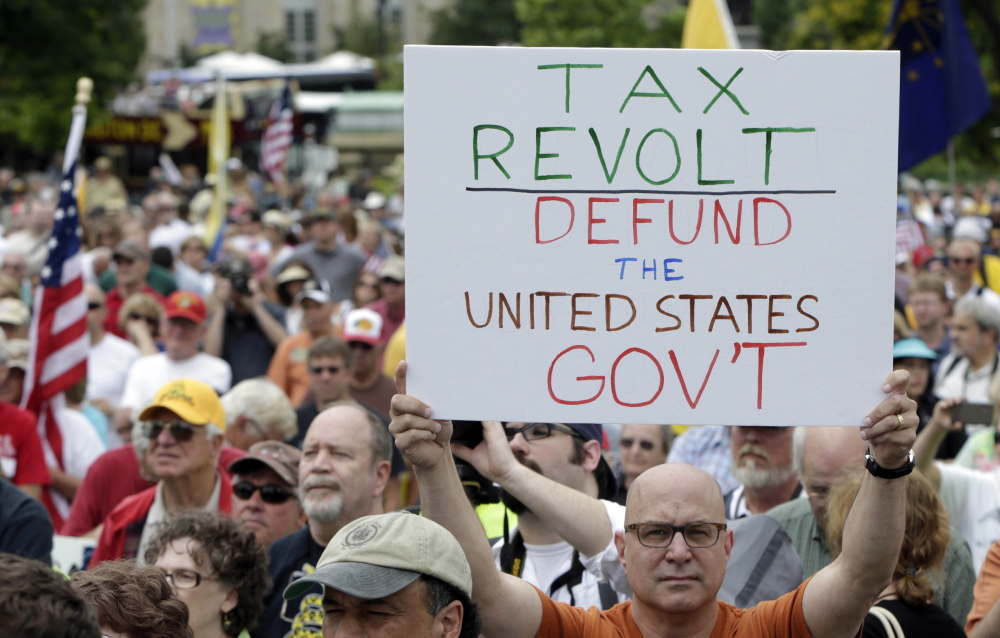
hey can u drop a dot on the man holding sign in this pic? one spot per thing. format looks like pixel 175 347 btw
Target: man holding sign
pixel 676 546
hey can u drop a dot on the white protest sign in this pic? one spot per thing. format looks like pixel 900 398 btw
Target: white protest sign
pixel 650 236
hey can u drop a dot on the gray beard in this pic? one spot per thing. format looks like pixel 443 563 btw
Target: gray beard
pixel 325 511
pixel 750 476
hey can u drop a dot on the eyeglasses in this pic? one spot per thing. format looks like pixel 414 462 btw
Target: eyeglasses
pixel 368 284
pixel 659 535
pixel 643 443
pixel 537 431
pixel 270 493
pixel 184 578
pixel 360 345
pixel 94 305
pixel 122 259
pixel 318 370
pixel 962 260
pixel 181 430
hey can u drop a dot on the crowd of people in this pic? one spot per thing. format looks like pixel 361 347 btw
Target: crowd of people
pixel 246 462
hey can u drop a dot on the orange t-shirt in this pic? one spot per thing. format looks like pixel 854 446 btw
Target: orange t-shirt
pixel 987 589
pixel 289 366
pixel 781 618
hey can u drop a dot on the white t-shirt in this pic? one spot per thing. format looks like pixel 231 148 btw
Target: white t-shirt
pixel 972 499
pixel 151 372
pixel 107 368
pixel 171 235
pixel 544 563
pixel 81 445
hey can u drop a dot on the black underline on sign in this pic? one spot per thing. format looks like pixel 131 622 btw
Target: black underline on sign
pixel 643 192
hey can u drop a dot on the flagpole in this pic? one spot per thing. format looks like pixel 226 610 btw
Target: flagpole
pixel 951 164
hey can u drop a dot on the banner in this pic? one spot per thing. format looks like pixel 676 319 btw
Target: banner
pixel 650 236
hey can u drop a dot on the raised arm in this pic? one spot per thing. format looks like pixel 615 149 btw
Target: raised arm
pixel 579 519
pixel 509 606
pixel 930 439
pixel 838 597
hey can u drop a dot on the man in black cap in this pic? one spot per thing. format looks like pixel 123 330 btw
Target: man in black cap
pixel 564 546
pixel 337 264
pixel 394 575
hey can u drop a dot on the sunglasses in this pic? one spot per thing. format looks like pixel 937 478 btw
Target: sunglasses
pixel 270 493
pixel 962 260
pixel 389 280
pixel 645 445
pixel 94 306
pixel 318 370
pixel 181 431
pixel 135 316
pixel 123 260
pixel 360 345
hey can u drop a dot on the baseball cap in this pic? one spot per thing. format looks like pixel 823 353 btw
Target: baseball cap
pixel 322 213
pixel 376 556
pixel 912 348
pixel 605 477
pixel 316 289
pixel 294 272
pixel 363 325
pixel 192 400
pixel 275 218
pixel 14 312
pixel 17 353
pixel 132 250
pixel 185 304
pixel 394 268
pixel 280 457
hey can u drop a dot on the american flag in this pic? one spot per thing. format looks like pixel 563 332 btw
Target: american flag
pixel 59 338
pixel 277 138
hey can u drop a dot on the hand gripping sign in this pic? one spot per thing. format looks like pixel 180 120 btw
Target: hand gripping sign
pixel 658 236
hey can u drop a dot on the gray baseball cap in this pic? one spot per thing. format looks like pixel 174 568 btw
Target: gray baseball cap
pixel 376 556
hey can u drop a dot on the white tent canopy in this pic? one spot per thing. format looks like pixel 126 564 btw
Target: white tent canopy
pixel 229 61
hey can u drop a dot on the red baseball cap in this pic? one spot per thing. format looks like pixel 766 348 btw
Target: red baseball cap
pixel 185 304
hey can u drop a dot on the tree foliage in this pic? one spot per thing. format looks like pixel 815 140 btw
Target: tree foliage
pixel 46 45
pixel 560 23
pixel 476 23
pixel 273 45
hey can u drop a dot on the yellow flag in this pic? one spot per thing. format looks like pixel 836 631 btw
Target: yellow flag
pixel 708 25
pixel 218 154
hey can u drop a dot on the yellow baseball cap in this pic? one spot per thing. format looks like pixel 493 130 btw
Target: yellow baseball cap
pixel 192 400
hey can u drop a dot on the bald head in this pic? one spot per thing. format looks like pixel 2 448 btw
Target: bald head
pixel 823 456
pixel 674 490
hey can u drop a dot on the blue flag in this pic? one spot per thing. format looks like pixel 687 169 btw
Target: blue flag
pixel 941 87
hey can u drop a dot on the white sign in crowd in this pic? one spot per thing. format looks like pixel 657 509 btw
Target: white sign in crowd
pixel 650 236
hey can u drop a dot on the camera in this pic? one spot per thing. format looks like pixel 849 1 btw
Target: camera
pixel 238 272
pixel 478 489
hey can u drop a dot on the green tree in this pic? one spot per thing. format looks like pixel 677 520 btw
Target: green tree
pixel 273 45
pixel 598 23
pixel 476 23
pixel 46 45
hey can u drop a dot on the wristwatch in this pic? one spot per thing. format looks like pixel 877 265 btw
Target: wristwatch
pixel 888 473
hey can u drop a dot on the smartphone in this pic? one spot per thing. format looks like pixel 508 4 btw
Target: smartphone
pixel 976 413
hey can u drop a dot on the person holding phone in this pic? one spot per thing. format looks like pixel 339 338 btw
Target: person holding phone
pixel 969 371
pixel 971 497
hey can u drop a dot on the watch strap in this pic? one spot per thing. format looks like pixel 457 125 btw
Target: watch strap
pixel 878 471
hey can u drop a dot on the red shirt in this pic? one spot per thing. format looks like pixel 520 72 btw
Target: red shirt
pixel 114 302
pixel 391 319
pixel 21 456
pixel 112 478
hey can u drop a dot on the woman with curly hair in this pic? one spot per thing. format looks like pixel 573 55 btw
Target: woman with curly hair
pixel 906 606
pixel 217 568
pixel 132 601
